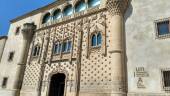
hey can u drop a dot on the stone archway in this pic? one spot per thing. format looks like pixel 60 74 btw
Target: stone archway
pixel 57 85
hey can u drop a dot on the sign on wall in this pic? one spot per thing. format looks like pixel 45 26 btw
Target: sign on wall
pixel 140 73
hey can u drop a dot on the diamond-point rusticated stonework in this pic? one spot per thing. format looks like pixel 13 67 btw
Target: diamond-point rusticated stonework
pixel 88 48
pixel 117 7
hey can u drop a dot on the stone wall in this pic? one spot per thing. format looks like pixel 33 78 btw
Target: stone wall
pixel 14 44
pixel 147 55
pixel 90 71
pixel 2 45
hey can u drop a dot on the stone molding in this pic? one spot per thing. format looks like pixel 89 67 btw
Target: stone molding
pixel 117 7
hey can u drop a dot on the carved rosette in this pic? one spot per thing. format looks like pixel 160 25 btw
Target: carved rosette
pixel 117 7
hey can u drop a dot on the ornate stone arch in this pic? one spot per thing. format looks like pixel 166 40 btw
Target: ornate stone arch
pixel 43 15
pixel 65 72
pixel 58 71
pixel 38 40
pixel 93 32
pixel 77 2
pixel 54 10
pixel 37 43
pixel 74 2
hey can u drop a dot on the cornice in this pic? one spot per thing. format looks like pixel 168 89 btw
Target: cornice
pixel 3 37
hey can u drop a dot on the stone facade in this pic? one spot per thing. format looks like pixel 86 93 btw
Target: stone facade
pixel 128 62
pixel 2 45
pixel 151 52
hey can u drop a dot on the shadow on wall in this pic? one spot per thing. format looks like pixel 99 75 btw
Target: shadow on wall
pixel 127 14
pixel 129 11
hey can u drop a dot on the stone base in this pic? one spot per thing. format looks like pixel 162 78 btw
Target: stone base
pixel 148 94
pixel 7 92
pixel 28 93
pixel 102 94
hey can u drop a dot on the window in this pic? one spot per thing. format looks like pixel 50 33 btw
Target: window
pixel 93 3
pixel 57 14
pixel 69 45
pixel 99 39
pixel 59 49
pixel 66 47
pixel 4 82
pixel 68 10
pixel 96 40
pixel 56 49
pixel 166 78
pixel 163 28
pixel 36 50
pixel 17 30
pixel 80 6
pixel 46 18
pixel 11 56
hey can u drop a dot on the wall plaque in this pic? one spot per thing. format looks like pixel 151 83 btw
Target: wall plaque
pixel 140 73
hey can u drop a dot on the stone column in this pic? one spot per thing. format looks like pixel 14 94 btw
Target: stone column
pixel 27 33
pixel 116 9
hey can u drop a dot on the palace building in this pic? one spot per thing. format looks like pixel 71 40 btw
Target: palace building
pixel 88 48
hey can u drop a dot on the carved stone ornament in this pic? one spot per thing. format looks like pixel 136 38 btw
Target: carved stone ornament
pixel 117 7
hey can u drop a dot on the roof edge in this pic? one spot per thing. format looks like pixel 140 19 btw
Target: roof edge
pixel 3 37
pixel 36 11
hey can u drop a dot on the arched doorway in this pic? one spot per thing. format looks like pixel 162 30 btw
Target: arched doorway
pixel 57 85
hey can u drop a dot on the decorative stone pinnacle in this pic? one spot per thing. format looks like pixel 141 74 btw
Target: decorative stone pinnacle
pixel 117 7
pixel 28 30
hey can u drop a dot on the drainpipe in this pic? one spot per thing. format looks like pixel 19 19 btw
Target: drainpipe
pixel 27 32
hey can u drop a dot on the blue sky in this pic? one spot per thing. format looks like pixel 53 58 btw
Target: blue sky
pixel 9 9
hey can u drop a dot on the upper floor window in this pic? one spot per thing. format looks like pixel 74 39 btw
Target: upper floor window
pixel 57 14
pixel 80 6
pixel 96 40
pixel 163 28
pixel 4 82
pixel 57 48
pixel 68 10
pixel 11 56
pixel 46 18
pixel 64 47
pixel 36 51
pixel 69 45
pixel 93 3
pixel 17 30
pixel 99 39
